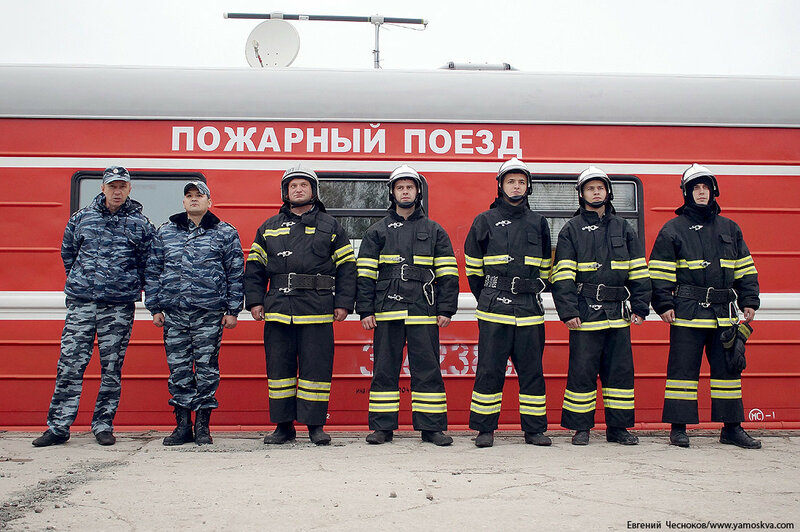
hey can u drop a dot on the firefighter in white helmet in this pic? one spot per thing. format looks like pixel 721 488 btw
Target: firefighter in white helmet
pixel 299 278
pixel 701 270
pixel 600 286
pixel 407 289
pixel 508 259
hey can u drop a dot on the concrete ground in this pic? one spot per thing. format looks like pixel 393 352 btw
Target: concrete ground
pixel 238 483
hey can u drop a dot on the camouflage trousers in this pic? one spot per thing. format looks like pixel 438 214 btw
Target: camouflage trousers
pixel 111 323
pixel 192 340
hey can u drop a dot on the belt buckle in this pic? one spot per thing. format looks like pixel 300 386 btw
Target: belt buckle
pixel 597 294
pixel 403 272
pixel 288 284
pixel 707 302
pixel 514 285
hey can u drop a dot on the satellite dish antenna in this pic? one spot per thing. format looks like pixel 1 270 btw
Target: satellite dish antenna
pixel 273 43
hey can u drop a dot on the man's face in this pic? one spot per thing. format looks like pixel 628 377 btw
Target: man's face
pixel 299 190
pixel 594 191
pixel 116 193
pixel 196 204
pixel 701 194
pixel 515 184
pixel 404 190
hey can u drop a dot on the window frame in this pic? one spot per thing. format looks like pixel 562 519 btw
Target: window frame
pixel 382 177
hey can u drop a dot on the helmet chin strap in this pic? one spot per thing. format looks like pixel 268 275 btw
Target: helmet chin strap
pixel 597 204
pixel 514 199
pixel 406 204
pixel 303 204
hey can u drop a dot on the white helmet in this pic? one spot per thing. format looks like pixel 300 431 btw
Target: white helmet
pixel 696 172
pixel 298 171
pixel 405 172
pixel 513 165
pixel 591 173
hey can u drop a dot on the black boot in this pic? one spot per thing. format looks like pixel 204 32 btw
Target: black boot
pixel 202 434
pixel 318 436
pixel 678 436
pixel 484 439
pixel 380 436
pixel 538 438
pixel 183 431
pixel 436 437
pixel 621 435
pixel 581 437
pixel 49 438
pixel 734 434
pixel 283 432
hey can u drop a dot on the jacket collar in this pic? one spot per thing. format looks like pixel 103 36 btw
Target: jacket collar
pixel 130 206
pixel 181 219
pixel 416 215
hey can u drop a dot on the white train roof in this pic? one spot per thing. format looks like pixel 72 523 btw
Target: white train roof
pixel 444 96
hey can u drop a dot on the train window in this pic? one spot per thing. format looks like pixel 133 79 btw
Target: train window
pixel 357 200
pixel 554 196
pixel 160 193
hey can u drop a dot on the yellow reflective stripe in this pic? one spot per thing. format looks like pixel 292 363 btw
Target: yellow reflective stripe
pixel 620 404
pixel 347 258
pixel 282 394
pixel 603 324
pixel 282 383
pixel 475 271
pixel 426 408
pixel 313 396
pixel 314 385
pixel 532 405
pixel 276 232
pixel 390 259
pixel 544 273
pixel 578 409
pixel 487 397
pixel 532 410
pixel 384 407
pixel 485 409
pixel 475 262
pixel 445 261
pixel 728 322
pixel 423 260
pixel 727 263
pixel 564 276
pixel 376 395
pixel 312 318
pixel 533 261
pixel 663 265
pixel 257 253
pixel 280 318
pixel 580 396
pixel 393 315
pixel 421 320
pixel 681 395
pixel 366 262
pixel 591 266
pixel 672 383
pixel 726 394
pixel 565 265
pixel 310 230
pixel 532 399
pixel 428 396
pixel 638 274
pixel 342 251
pixel 620 264
pixel 663 276
pixel 371 274
pixel 447 270
pixel 496 259
pixel 691 264
pixel 524 321
pixel 429 402
pixel 495 318
pixel 638 263
pixel 727 383
pixel 697 323
pixel 744 261
pixel 738 274
pixel 618 392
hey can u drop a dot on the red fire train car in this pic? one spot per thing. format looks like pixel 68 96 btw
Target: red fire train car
pixel 239 129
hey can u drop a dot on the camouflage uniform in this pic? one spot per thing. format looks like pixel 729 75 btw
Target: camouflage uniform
pixel 104 256
pixel 194 276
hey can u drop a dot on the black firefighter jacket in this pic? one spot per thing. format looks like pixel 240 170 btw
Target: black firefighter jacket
pixel 604 251
pixel 313 243
pixel 707 252
pixel 416 241
pixel 513 242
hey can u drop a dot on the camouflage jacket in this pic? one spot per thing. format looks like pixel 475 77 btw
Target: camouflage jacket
pixel 105 253
pixel 193 267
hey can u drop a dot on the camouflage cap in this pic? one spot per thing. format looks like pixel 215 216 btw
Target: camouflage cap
pixel 116 173
pixel 201 187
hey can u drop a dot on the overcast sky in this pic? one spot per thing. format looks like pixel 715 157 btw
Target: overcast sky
pixel 676 36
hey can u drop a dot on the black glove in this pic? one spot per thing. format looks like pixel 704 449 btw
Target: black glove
pixel 733 340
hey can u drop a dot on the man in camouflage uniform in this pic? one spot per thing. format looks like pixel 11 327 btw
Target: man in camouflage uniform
pixel 299 278
pixel 105 249
pixel 194 289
